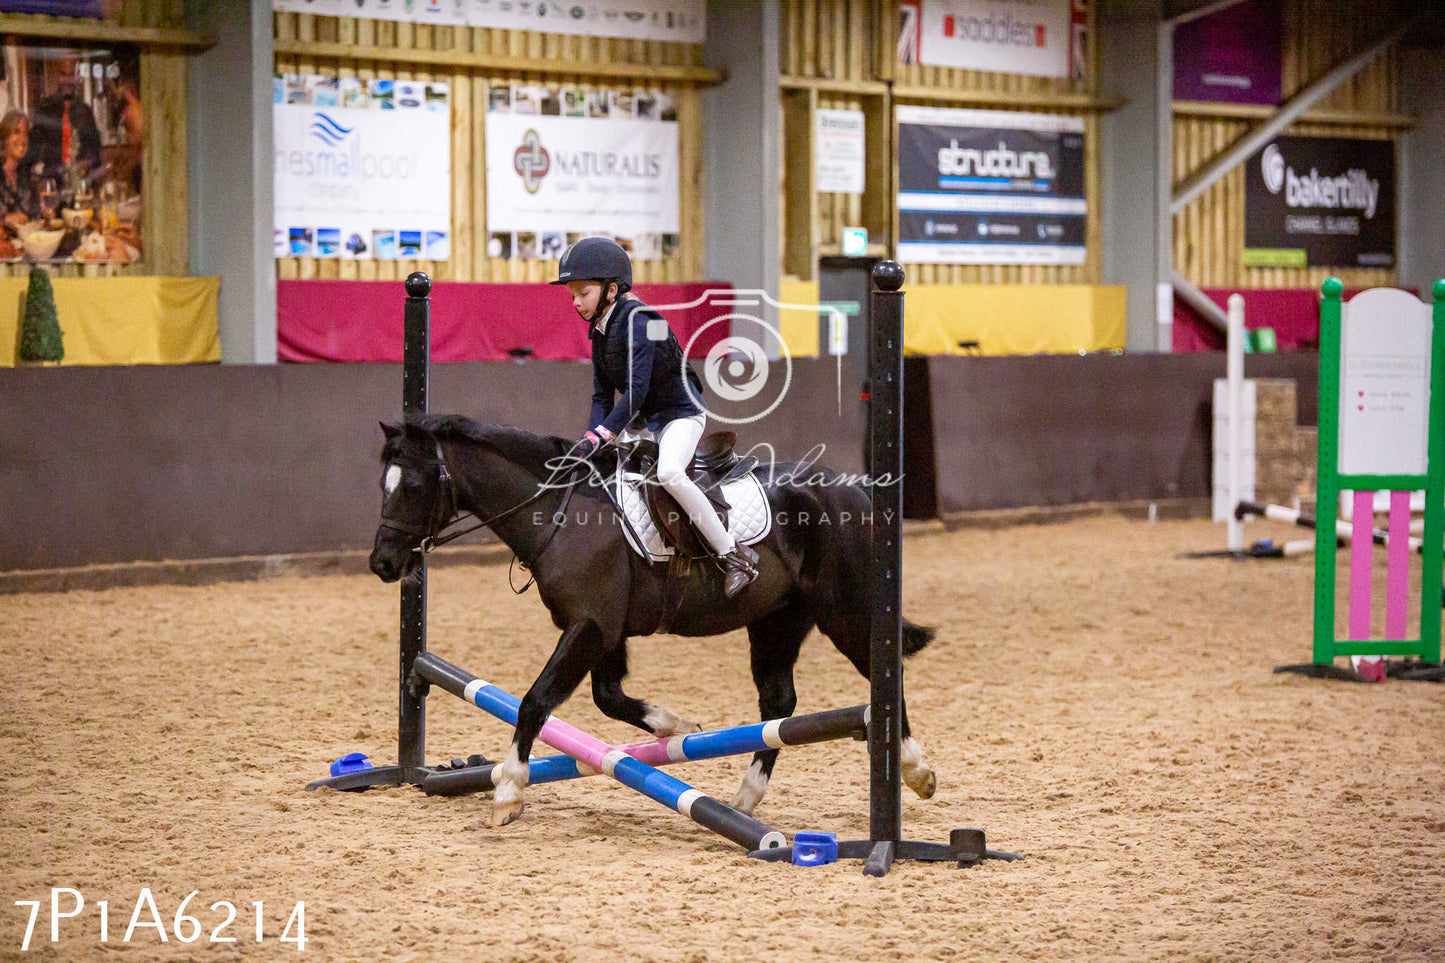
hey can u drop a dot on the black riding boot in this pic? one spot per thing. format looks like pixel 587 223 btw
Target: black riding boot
pixel 741 566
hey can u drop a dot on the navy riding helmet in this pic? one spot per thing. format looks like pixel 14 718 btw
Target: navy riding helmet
pixel 596 259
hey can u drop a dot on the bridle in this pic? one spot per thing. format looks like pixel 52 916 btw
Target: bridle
pixel 444 513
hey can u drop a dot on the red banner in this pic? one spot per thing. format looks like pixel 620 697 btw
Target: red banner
pixel 1292 313
pixel 362 320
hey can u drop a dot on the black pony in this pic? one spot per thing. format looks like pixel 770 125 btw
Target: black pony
pixel 601 593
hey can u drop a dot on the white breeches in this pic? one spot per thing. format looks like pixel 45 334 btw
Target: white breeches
pixel 676 445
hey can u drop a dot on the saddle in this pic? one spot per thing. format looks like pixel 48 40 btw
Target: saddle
pixel 714 464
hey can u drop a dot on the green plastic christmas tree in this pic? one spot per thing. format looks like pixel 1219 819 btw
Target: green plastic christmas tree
pixel 40 337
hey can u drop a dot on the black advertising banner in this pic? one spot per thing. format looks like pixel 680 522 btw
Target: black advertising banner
pixel 990 187
pixel 1320 202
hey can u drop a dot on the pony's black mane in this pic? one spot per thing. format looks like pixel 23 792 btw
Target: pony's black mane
pixel 515 444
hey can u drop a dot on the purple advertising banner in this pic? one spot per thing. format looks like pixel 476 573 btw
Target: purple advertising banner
pixel 1232 56
pixel 55 8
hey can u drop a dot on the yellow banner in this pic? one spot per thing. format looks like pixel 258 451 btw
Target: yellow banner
pixel 984 318
pixel 124 320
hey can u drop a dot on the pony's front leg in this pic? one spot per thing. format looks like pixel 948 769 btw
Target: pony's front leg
pixel 607 675
pixel 577 650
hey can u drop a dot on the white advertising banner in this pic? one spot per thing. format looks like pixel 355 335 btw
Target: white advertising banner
pixel 581 175
pixel 325 8
pixel 1008 36
pixel 363 168
pixel 414 11
pixel 838 151
pixel 679 21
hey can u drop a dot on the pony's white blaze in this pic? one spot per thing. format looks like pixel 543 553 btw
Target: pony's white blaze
pixel 392 478
pixel 750 793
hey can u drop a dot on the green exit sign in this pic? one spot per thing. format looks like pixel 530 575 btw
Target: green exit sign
pixel 855 241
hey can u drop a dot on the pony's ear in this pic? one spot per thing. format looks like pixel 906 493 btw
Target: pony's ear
pixel 391 431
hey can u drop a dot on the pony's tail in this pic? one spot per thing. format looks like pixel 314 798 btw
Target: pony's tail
pixel 916 637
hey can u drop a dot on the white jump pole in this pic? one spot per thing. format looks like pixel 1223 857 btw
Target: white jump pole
pixel 1344 531
pixel 1235 370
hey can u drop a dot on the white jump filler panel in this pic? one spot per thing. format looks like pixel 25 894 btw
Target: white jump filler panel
pixel 1223 502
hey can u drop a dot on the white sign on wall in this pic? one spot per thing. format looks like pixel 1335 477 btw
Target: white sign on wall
pixel 363 168
pixel 1384 384
pixel 679 21
pixel 585 175
pixel 838 151
pixel 1009 36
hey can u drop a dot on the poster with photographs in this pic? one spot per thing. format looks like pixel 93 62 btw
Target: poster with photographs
pixel 363 168
pixel 71 140
pixel 574 161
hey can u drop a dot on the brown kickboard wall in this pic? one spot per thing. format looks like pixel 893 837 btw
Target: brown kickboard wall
pixel 148 463
pixel 1059 430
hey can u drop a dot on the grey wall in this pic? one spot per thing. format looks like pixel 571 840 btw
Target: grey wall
pixel 1422 170
pixel 229 106
pixel 1130 66
pixel 742 154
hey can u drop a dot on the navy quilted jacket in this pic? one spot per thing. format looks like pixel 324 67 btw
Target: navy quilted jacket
pixel 647 373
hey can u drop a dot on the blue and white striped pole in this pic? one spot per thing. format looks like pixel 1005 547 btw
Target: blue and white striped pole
pixel 800 730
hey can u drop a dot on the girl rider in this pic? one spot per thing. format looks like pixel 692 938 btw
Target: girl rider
pixel 648 373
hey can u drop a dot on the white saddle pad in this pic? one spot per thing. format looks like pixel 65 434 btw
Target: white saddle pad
pixel 749 518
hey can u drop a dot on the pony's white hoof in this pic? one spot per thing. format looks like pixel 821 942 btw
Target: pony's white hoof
pixel 505 812
pixel 916 775
pixel 664 723
pixel 507 800
pixel 750 793
pixel 924 783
